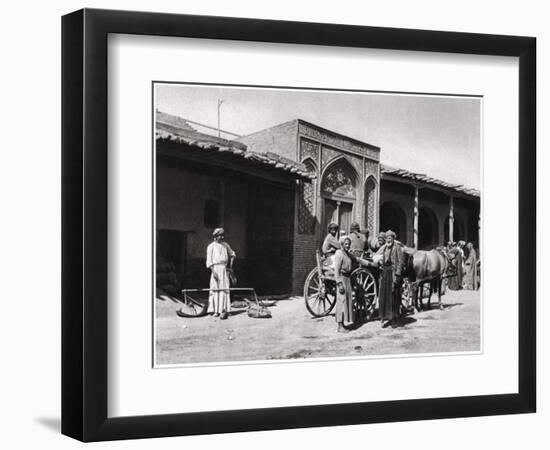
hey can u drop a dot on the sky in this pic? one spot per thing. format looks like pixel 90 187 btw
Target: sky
pixel 439 136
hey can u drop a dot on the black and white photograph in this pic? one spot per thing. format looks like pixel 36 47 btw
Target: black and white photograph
pixel 304 224
pixel 273 225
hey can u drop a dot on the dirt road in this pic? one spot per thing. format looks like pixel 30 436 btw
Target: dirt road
pixel 293 333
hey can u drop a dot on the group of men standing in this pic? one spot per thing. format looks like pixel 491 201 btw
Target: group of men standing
pixel 341 254
pixel 464 258
pixel 384 252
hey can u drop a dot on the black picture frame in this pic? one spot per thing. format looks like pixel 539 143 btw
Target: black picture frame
pixel 84 224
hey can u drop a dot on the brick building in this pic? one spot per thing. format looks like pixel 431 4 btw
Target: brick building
pixel 203 182
pixel 275 191
pixel 345 187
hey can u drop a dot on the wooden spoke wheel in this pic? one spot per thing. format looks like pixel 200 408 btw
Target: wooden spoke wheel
pixel 365 290
pixel 191 307
pixel 319 294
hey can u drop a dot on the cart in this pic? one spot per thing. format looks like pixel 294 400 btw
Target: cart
pixel 320 291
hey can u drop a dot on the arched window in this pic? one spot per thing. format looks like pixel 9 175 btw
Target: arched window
pixel 306 206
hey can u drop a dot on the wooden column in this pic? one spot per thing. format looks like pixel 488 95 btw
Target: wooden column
pixel 451 219
pixel 415 218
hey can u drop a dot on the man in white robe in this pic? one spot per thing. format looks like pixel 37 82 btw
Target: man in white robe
pixel 219 256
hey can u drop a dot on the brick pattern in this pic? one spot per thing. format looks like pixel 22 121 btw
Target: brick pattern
pixel 270 222
pixel 304 260
pixel 280 139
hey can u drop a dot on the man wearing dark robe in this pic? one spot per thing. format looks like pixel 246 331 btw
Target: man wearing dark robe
pixel 391 278
pixel 455 256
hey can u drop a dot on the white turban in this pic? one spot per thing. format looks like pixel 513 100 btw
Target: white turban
pixel 217 232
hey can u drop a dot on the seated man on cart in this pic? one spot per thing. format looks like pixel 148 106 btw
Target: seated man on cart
pixel 359 241
pixel 330 245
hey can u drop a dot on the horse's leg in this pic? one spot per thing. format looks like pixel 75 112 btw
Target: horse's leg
pixel 439 292
pixel 430 294
pixel 414 296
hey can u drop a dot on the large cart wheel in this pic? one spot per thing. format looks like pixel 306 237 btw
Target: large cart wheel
pixel 366 292
pixel 192 307
pixel 319 294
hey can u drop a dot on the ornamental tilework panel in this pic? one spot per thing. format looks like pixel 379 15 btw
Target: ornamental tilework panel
pixel 339 180
pixel 357 164
pixel 338 141
pixel 309 149
pixel 371 168
pixel 329 154
pixel 306 205
pixel 370 200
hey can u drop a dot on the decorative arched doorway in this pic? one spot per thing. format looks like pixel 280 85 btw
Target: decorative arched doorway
pixel 339 192
pixel 392 217
pixel 428 231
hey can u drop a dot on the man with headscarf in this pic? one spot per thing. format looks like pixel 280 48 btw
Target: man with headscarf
pixel 470 274
pixel 455 259
pixel 376 242
pixel 331 242
pixel 344 262
pixel 358 240
pixel 219 258
pixel 330 245
pixel 391 278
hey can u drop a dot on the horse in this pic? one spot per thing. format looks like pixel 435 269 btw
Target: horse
pixel 426 266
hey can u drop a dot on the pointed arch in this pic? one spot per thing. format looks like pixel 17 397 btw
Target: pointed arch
pixel 339 179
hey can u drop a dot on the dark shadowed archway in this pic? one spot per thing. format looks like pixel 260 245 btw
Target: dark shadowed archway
pixel 428 231
pixel 458 229
pixel 392 217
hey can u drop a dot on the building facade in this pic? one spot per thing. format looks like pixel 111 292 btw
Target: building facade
pixel 426 212
pixel 204 182
pixel 345 187
pixel 276 190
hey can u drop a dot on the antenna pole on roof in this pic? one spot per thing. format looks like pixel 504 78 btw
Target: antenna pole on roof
pixel 219 107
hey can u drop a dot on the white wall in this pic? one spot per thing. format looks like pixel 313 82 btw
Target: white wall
pixel 30 230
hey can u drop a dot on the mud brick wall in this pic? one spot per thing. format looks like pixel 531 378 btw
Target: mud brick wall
pixel 280 139
pixel 270 224
pixel 305 246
